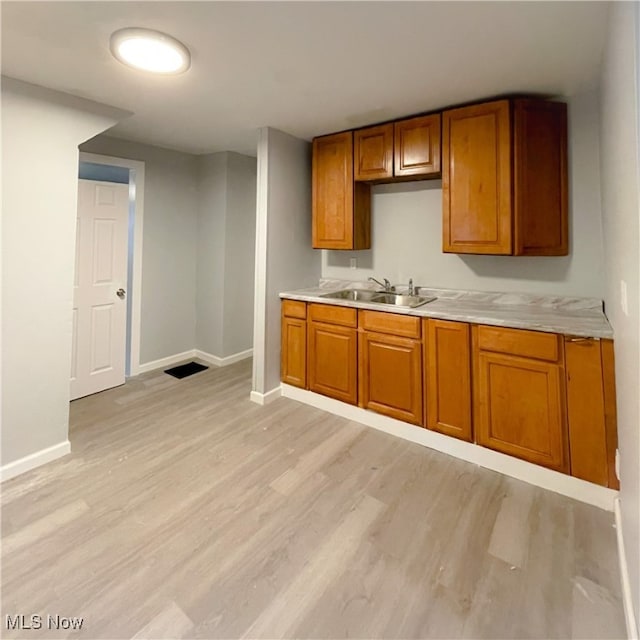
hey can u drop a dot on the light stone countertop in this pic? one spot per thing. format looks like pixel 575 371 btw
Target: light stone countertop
pixel 554 314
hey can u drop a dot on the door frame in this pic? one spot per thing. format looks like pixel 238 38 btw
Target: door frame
pixel 136 189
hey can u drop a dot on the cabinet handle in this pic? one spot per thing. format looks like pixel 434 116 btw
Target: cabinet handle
pixel 585 341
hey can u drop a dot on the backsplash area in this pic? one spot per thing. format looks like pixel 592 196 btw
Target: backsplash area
pixel 407 234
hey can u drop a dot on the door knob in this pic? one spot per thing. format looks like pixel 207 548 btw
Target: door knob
pixel 121 293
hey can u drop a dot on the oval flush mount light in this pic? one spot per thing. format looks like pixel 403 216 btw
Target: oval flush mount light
pixel 150 50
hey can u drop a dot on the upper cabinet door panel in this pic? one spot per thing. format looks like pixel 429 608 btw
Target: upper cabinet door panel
pixel 341 209
pixel 476 179
pixel 374 153
pixel 540 186
pixel 333 191
pixel 417 146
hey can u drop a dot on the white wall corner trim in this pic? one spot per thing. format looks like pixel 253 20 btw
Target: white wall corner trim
pixel 569 486
pixel 166 362
pixel 33 460
pixel 260 287
pixel 627 597
pixel 265 398
pixel 223 362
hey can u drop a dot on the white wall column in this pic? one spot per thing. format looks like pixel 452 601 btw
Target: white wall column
pixel 284 257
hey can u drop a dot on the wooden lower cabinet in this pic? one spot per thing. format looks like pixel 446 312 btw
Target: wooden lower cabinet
pixel 391 375
pixel 447 366
pixel 294 352
pixel 591 409
pixel 333 361
pixel 542 397
pixel 519 401
pixel 293 348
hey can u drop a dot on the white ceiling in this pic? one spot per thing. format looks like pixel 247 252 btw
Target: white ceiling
pixel 306 68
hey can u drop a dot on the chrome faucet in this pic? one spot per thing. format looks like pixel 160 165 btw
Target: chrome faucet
pixel 387 286
pixel 412 291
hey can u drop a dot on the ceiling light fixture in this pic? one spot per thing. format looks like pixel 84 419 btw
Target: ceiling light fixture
pixel 150 50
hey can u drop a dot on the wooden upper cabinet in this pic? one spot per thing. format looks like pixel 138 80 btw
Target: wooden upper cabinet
pixel 504 178
pixel 540 181
pixel 476 179
pixel 340 207
pixel 519 402
pixel 417 146
pixel 374 152
pixel 406 149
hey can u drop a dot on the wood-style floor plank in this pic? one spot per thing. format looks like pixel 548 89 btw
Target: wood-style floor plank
pixel 186 511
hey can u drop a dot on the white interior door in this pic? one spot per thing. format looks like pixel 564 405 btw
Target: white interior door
pixel 99 304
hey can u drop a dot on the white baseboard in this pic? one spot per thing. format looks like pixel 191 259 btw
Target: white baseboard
pixel 533 474
pixel 223 362
pixel 627 596
pixel 265 398
pixel 166 362
pixel 194 353
pixel 33 460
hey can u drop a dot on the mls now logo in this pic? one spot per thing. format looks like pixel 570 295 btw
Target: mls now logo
pixel 23 622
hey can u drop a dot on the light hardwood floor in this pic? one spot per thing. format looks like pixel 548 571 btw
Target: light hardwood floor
pixel 186 511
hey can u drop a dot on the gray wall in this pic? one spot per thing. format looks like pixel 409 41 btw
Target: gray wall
pixel 226 253
pixel 168 314
pixel 621 211
pixel 212 206
pixel 407 233
pixel 284 257
pixel 240 254
pixel 41 131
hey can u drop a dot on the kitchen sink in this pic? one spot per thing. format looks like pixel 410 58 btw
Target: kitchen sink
pixel 379 297
pixel 360 295
pixel 402 300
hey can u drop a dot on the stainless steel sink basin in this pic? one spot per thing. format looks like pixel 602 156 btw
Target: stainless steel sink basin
pixel 361 295
pixel 378 297
pixel 401 300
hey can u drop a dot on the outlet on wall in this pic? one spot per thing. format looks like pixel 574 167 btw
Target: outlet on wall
pixel 353 263
pixel 623 298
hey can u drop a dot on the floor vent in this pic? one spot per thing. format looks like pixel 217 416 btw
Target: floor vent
pixel 184 370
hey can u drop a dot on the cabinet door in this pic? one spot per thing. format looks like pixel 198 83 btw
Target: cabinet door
pixel 333 361
pixel 586 410
pixel 520 408
pixel 417 146
pixel 374 152
pixel 448 378
pixel 476 179
pixel 340 208
pixel 540 182
pixel 293 352
pixel 391 371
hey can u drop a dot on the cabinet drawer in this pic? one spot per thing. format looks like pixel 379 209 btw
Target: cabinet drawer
pixel 519 342
pixel 394 323
pixel 333 315
pixel 294 309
